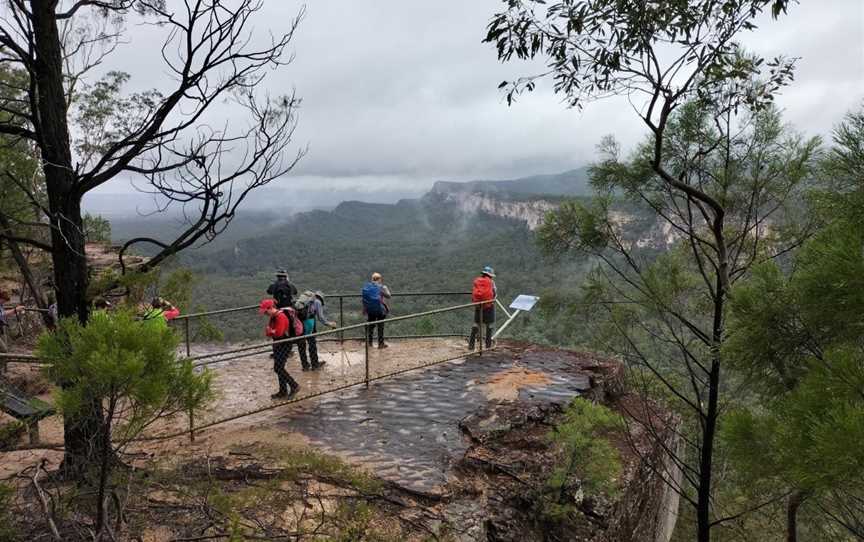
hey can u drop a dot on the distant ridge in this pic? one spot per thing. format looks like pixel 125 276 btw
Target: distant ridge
pixel 570 183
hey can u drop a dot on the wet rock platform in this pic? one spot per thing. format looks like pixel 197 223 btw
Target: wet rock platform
pixel 407 429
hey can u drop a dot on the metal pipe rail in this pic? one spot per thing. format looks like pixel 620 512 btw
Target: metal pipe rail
pixel 362 325
pixel 185 319
pixel 334 296
pixel 264 347
pixel 191 431
pixel 206 359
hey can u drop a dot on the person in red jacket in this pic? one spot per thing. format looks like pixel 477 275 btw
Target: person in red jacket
pixel 277 329
pixel 483 290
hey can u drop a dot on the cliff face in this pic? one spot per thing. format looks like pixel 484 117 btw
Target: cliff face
pixel 638 231
pixel 530 211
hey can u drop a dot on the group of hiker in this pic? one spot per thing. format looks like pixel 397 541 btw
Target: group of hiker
pixel 290 315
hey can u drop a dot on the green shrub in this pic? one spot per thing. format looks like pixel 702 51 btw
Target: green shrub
pixel 586 454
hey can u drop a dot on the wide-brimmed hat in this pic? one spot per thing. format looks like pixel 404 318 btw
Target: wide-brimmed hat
pixel 320 295
pixel 266 305
pixel 487 270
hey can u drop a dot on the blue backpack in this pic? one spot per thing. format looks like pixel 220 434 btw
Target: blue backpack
pixel 372 298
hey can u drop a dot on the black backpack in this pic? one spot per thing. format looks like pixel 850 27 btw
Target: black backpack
pixel 282 294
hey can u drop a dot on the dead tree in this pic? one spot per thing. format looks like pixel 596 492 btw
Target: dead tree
pixel 88 135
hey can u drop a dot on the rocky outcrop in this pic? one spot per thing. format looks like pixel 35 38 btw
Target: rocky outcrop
pixel 530 211
pixel 638 231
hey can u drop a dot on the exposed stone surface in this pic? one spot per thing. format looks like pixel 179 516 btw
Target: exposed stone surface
pixel 467 438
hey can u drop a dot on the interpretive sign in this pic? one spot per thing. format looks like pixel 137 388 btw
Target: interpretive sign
pixel 524 302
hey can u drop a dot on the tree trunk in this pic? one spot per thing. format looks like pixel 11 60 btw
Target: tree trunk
pixel 709 431
pixel 64 203
pixel 792 506
pixel 703 511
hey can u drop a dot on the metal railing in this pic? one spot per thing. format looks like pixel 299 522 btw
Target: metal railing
pixel 204 360
pixel 185 320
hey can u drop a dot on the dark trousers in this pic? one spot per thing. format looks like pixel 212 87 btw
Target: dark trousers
pixel 488 321
pixel 375 317
pixel 301 348
pixel 312 344
pixel 280 357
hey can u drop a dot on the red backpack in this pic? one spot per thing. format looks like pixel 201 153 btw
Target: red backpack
pixel 293 321
pixel 483 290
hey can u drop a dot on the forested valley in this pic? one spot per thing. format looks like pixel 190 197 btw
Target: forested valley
pixel 694 369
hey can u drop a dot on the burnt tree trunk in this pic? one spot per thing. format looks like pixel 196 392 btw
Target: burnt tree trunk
pixel 64 204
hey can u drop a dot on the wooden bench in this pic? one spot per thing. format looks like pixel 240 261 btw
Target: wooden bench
pixel 29 410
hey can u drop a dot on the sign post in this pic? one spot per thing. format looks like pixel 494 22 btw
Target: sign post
pixel 522 303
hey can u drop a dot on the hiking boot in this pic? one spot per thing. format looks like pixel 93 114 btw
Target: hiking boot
pixel 279 395
pixel 383 345
pixel 317 366
pixel 306 367
pixel 293 392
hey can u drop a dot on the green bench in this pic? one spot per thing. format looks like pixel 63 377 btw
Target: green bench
pixel 29 410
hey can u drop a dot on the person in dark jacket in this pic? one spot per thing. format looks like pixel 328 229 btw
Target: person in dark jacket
pixel 284 292
pixel 277 329
pixel 484 289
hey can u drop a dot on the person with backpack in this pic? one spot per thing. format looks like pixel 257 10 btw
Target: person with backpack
pixel 279 327
pixel 375 295
pixel 310 309
pixel 160 310
pixel 483 290
pixel 283 291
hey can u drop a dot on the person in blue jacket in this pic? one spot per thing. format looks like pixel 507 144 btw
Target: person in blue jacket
pixel 376 307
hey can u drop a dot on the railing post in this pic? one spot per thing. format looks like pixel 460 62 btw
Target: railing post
pixel 341 321
pixel 186 326
pixel 480 332
pixel 366 346
pixel 191 426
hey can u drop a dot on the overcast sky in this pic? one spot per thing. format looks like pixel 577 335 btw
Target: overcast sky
pixel 398 94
